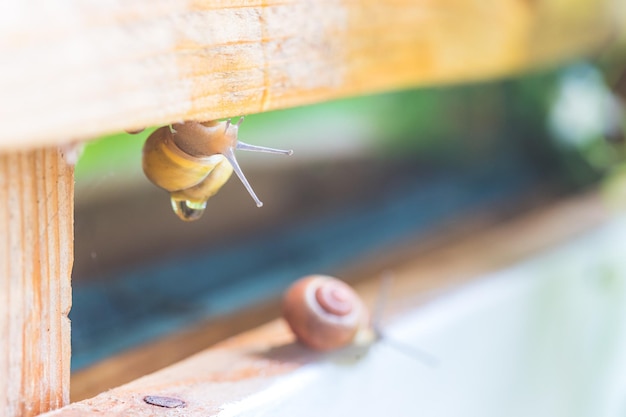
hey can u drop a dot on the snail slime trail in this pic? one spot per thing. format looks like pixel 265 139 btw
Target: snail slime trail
pixel 193 160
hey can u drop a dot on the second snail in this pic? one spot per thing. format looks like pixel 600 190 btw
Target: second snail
pixel 325 313
pixel 193 160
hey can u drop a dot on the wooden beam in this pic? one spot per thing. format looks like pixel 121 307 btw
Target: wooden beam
pixel 78 70
pixel 36 239
pixel 241 366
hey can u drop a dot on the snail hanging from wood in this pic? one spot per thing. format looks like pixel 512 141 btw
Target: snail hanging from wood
pixel 192 161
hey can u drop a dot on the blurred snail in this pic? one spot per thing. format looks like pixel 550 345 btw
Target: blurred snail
pixel 325 313
pixel 192 161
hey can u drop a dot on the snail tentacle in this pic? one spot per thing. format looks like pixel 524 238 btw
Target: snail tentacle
pixel 256 148
pixel 230 157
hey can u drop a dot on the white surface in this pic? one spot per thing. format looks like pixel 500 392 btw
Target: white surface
pixel 543 338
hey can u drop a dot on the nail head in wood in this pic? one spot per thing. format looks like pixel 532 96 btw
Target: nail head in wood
pixel 166 402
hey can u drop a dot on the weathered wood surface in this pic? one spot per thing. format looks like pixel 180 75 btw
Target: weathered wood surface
pixel 36 253
pixel 240 366
pixel 74 70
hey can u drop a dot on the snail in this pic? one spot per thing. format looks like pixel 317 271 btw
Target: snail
pixel 193 160
pixel 325 313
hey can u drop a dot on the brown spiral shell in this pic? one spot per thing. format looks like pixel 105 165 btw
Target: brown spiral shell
pixel 324 312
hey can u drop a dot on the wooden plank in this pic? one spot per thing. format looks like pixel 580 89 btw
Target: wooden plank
pixel 235 368
pixel 77 70
pixel 36 239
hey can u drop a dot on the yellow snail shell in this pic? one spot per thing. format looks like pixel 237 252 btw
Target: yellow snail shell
pixel 192 161
pixel 324 312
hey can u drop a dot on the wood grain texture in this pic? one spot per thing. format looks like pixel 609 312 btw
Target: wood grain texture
pixel 36 243
pixel 76 70
pixel 247 363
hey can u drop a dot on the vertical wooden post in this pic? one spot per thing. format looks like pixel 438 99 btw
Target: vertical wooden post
pixel 36 255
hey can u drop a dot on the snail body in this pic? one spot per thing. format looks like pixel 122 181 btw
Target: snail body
pixel 192 161
pixel 324 313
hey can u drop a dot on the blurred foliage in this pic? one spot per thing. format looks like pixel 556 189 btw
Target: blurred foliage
pixel 118 150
